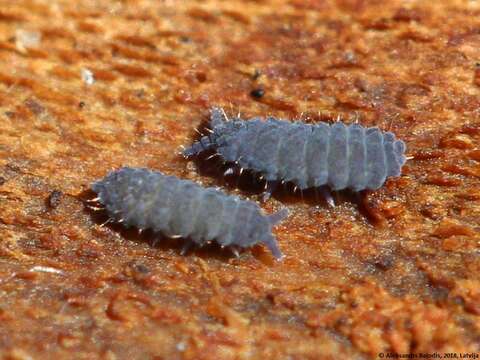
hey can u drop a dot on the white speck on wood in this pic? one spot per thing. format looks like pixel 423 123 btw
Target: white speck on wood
pixel 46 269
pixel 87 77
pixel 25 40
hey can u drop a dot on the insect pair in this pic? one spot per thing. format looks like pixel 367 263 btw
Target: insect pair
pixel 339 156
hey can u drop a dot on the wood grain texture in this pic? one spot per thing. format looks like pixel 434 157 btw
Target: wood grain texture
pixel 399 274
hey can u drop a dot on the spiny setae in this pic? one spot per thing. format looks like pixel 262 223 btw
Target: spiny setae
pixel 148 199
pixel 308 155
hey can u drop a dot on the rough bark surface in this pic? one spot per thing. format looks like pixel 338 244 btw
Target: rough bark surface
pixel 87 86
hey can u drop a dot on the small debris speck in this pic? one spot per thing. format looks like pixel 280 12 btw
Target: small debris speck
pixel 46 269
pixel 54 199
pixel 34 106
pixel 257 93
pixel 25 40
pixel 181 346
pixel 87 77
pixel 142 268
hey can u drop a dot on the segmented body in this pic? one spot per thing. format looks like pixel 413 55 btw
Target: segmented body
pixel 180 208
pixel 308 155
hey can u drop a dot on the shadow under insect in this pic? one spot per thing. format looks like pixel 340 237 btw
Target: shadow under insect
pixel 249 183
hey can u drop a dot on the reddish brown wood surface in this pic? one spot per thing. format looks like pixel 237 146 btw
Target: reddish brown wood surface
pixel 400 273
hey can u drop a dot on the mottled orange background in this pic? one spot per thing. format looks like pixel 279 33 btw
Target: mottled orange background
pixel 399 273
